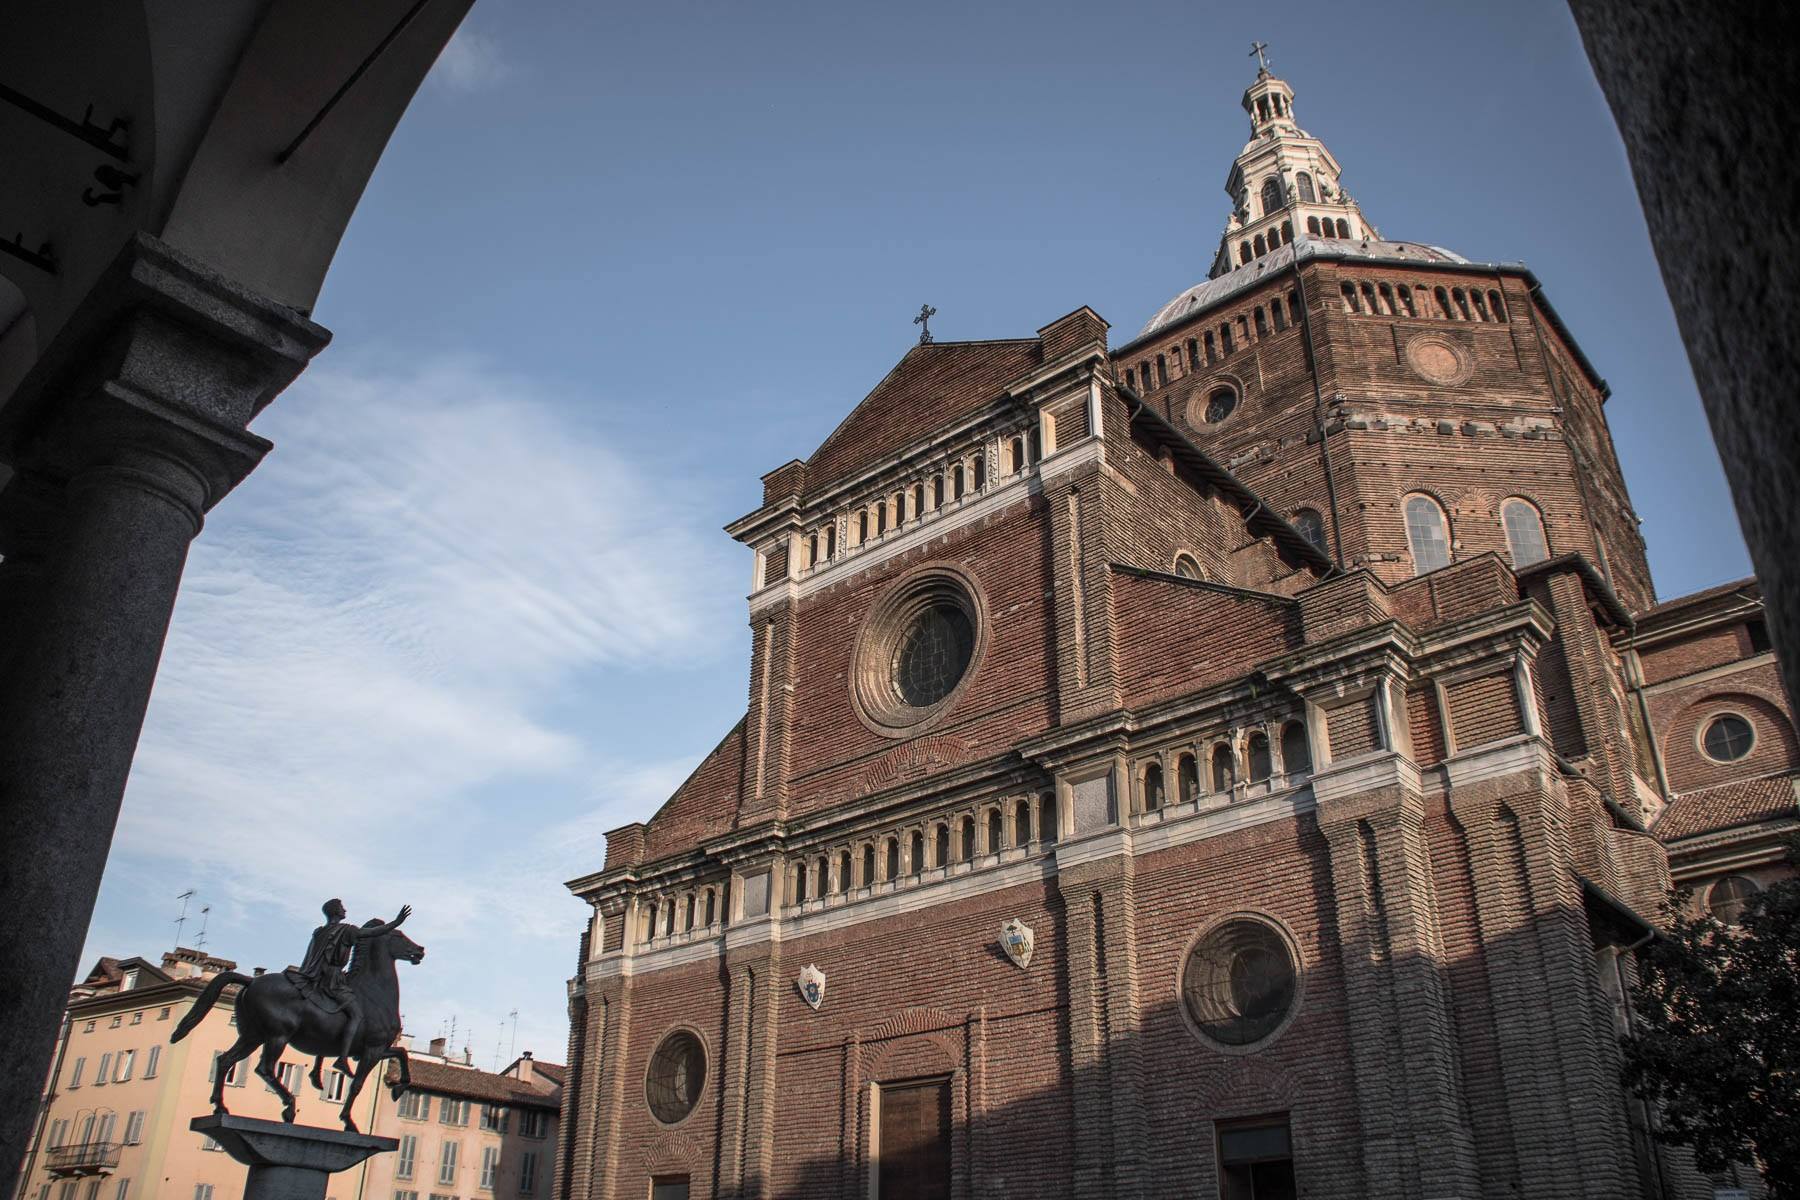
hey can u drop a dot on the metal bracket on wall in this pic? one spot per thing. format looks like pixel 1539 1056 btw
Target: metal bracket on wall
pixel 43 258
pixel 100 138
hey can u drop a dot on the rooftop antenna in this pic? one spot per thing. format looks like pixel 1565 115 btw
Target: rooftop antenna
pixel 205 913
pixel 512 1039
pixel 181 921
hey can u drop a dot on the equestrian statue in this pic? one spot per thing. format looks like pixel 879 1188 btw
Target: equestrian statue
pixel 342 1001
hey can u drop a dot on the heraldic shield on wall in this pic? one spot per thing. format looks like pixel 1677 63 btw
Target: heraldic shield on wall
pixel 812 986
pixel 1017 940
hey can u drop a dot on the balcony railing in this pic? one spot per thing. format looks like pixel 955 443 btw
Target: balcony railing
pixel 84 1158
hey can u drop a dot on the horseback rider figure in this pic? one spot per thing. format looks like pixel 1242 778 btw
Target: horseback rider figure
pixel 321 977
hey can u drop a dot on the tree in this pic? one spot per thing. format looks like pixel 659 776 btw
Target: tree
pixel 1715 1044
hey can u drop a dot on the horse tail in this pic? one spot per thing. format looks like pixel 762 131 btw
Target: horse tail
pixel 208 998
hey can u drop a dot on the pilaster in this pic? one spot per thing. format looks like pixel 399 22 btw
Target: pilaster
pixel 753 1006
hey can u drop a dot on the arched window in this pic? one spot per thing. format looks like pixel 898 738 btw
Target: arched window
pixel 1287 232
pixel 1271 196
pixel 941 844
pixel 843 879
pixel 1187 779
pixel 1225 339
pixel 1262 247
pixel 1427 534
pixel 1387 298
pixel 1497 305
pixel 893 858
pixel 1352 302
pixel 800 883
pixel 1480 303
pixel 996 835
pixel 1311 526
pixel 1406 300
pixel 1049 826
pixel 956 482
pixel 1524 532
pixel 1726 899
pixel 650 920
pixel 1224 773
pixel 980 472
pixel 918 499
pixel 1296 755
pixel 831 541
pixel 1462 303
pixel 968 839
pixel 881 518
pixel 823 883
pixel 1304 186
pixel 1243 252
pixel 1727 738
pixel 1279 314
pixel 1212 350
pixel 1262 322
pixel 1343 228
pixel 1162 370
pixel 1258 750
pixel 1022 823
pixel 862 526
pixel 1369 300
pixel 918 852
pixel 937 491
pixel 1294 307
pixel 1153 787
pixel 1443 302
pixel 687 916
pixel 712 897
pixel 1312 226
pixel 1187 566
pixel 1193 358
pixel 1016 450
pixel 868 863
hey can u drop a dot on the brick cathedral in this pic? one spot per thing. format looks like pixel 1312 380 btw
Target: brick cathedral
pixel 1233 763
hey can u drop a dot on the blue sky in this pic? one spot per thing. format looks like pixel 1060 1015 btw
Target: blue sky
pixel 621 260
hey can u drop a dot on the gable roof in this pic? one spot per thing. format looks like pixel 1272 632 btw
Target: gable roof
pixel 473 1084
pixel 705 803
pixel 1727 806
pixel 932 386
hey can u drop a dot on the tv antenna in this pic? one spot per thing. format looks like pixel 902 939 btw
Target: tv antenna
pixel 205 914
pixel 181 921
pixel 512 1040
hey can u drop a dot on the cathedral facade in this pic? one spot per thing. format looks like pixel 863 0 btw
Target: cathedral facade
pixel 1218 764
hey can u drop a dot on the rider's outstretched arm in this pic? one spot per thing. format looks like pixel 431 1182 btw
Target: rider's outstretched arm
pixel 373 931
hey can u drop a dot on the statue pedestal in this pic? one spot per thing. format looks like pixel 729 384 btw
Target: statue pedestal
pixel 289 1162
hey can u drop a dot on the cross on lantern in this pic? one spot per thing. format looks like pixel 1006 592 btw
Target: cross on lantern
pixel 1256 52
pixel 923 321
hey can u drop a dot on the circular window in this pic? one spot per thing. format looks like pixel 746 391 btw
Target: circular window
pixel 1239 982
pixel 1728 738
pixel 1221 403
pixel 1726 899
pixel 917 650
pixel 933 654
pixel 677 1073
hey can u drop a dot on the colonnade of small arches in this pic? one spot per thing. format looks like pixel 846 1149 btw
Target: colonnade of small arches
pixel 948 484
pixel 682 912
pixel 1215 344
pixel 1226 765
pixel 1377 299
pixel 927 850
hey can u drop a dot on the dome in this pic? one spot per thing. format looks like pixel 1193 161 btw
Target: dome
pixel 1209 292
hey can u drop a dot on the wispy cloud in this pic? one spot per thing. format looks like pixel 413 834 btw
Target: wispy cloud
pixel 362 684
pixel 470 61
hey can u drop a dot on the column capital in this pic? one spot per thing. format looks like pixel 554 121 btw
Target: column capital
pixel 166 358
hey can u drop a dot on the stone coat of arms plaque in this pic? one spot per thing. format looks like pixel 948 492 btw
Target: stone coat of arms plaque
pixel 1018 941
pixel 812 986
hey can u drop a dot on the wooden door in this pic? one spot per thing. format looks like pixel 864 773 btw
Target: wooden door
pixel 915 1141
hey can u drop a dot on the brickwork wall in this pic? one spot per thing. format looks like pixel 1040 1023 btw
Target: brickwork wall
pixel 1176 637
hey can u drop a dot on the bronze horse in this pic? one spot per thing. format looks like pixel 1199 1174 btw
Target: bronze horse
pixel 272 1014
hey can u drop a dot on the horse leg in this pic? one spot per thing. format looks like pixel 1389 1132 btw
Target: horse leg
pixel 318 1080
pixel 239 1051
pixel 405 1080
pixel 364 1065
pixel 265 1070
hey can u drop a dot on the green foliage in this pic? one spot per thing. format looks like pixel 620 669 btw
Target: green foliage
pixel 1715 1046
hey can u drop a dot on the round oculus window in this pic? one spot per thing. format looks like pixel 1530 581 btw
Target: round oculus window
pixel 1221 404
pixel 677 1074
pixel 1239 982
pixel 1728 738
pixel 916 651
pixel 933 654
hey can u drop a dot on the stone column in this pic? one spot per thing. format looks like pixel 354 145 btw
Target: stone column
pixel 130 428
pixel 289 1162
pixel 753 1000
